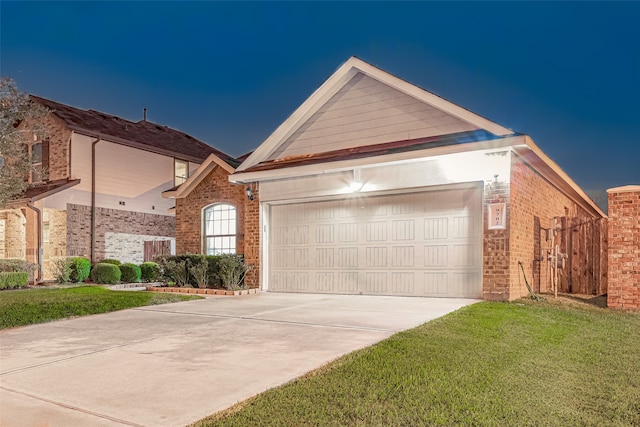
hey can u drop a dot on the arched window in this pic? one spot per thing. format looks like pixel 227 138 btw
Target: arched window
pixel 219 229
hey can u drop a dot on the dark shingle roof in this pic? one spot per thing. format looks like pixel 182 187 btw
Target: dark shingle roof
pixel 143 134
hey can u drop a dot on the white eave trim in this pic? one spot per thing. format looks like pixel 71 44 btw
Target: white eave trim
pixel 196 178
pixel 337 80
pixel 563 175
pixel 373 161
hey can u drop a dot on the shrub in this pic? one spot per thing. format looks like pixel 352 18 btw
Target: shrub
pixel 150 271
pixel 131 273
pixel 13 279
pixel 199 271
pixel 61 269
pixel 105 273
pixel 176 270
pixel 213 272
pixel 12 264
pixel 111 261
pixel 232 271
pixel 80 269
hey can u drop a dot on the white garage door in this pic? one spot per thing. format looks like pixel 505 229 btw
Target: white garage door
pixel 425 243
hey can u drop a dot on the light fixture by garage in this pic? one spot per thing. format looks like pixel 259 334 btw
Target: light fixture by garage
pixel 250 193
pixel 356 184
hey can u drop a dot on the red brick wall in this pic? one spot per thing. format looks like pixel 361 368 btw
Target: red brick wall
pixel 531 199
pixel 216 188
pixel 59 138
pixel 624 247
pixel 495 259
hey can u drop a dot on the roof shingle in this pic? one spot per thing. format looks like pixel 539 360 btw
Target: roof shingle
pixel 147 135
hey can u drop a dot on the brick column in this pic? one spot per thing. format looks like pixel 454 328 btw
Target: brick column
pixel 624 247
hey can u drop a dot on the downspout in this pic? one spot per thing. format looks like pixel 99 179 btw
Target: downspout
pixel 93 199
pixel 40 257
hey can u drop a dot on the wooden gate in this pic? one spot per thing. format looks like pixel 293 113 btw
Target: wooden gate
pixel 583 243
pixel 156 248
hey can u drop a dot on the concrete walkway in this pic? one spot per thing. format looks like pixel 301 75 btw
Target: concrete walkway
pixel 173 364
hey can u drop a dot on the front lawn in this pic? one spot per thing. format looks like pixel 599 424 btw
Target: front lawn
pixel 29 306
pixel 504 364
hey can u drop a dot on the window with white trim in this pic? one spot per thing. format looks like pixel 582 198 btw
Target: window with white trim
pixel 180 171
pixel 219 229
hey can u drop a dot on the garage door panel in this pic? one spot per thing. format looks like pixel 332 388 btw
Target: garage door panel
pixel 425 244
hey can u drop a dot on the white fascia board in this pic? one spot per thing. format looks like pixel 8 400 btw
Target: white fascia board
pixel 201 173
pixel 341 77
pixel 556 169
pixel 430 98
pixel 321 95
pixel 374 161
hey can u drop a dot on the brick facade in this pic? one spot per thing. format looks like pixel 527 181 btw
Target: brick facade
pixel 624 247
pixel 59 136
pixel 216 188
pixel 108 223
pixel 532 203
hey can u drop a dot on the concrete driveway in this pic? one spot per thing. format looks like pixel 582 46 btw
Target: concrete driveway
pixel 173 364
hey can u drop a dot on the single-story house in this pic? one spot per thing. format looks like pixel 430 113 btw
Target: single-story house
pixel 375 186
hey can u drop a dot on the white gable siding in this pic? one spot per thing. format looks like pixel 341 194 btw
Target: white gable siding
pixel 365 112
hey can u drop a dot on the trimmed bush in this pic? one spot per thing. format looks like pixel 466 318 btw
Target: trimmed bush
pixel 13 279
pixel 232 270
pixel 130 273
pixel 80 269
pixel 213 272
pixel 150 271
pixel 61 269
pixel 111 261
pixel 198 272
pixel 105 273
pixel 12 264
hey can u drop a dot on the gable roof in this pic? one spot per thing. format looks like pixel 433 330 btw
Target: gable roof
pixel 144 135
pixel 351 69
pixel 196 178
pixel 41 190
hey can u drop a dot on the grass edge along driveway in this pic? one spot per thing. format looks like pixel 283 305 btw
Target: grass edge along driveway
pixel 31 306
pixel 492 363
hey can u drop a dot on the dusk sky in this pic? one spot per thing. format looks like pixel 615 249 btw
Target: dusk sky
pixel 567 74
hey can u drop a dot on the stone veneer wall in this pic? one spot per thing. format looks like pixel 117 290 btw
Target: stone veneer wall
pixel 57 245
pixel 624 247
pixel 216 188
pixel 112 221
pixel 14 234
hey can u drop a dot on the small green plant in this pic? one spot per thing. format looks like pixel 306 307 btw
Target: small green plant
pixel 111 261
pixel 232 270
pixel 131 273
pixel 13 279
pixel 61 269
pixel 199 271
pixel 106 273
pixel 80 269
pixel 150 271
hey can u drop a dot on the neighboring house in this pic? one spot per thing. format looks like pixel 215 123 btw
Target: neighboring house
pixel 213 215
pixel 375 186
pixel 100 196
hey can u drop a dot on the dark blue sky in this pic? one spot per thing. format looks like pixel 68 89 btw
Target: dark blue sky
pixel 568 74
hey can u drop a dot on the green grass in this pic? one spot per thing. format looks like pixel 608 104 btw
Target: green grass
pixel 29 306
pixel 489 364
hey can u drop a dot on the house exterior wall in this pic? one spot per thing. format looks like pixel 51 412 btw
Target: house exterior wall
pixel 216 188
pixel 533 200
pixel 110 225
pixel 59 137
pixel 366 111
pixel 57 245
pixel 14 234
pixel 624 248
pixel 124 174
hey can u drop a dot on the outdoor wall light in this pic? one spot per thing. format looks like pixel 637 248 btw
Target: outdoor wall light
pixel 356 184
pixel 250 194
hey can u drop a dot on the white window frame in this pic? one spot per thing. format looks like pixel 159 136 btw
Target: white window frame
pixel 219 229
pixel 180 179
